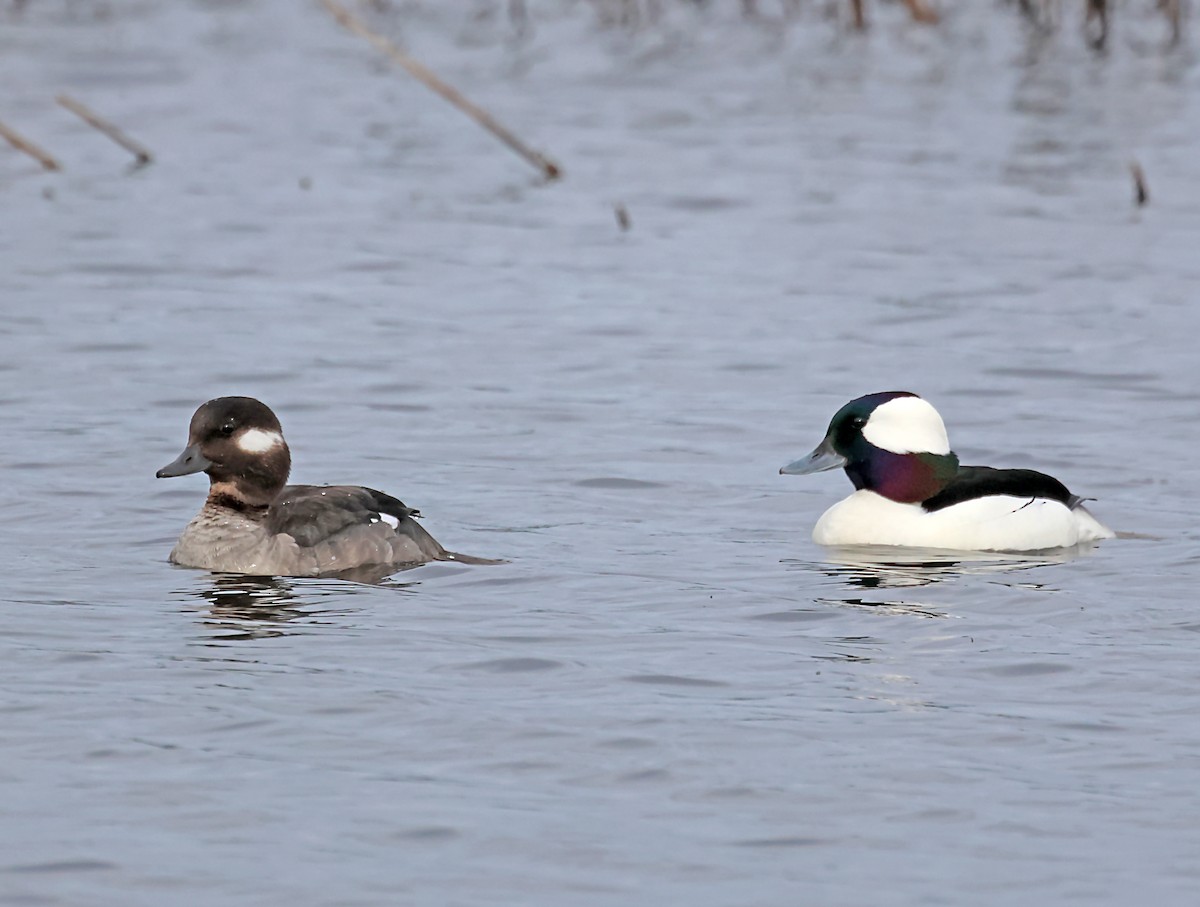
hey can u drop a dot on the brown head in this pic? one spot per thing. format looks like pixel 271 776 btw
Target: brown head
pixel 239 443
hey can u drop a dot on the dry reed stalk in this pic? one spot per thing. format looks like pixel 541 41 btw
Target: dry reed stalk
pixel 138 150
pixel 26 146
pixel 860 16
pixel 424 75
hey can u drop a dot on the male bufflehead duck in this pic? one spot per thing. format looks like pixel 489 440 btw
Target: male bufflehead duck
pixel 910 490
pixel 252 522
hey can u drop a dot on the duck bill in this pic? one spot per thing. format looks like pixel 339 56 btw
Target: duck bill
pixel 188 462
pixel 821 459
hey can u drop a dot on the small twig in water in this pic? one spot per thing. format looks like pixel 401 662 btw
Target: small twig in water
pixel 424 75
pixel 137 149
pixel 622 214
pixel 1141 194
pixel 26 146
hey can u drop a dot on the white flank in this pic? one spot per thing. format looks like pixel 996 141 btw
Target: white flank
pixel 993 523
pixel 907 425
pixel 255 440
pixel 392 521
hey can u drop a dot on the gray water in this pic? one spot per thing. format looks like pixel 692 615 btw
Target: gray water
pixel 670 695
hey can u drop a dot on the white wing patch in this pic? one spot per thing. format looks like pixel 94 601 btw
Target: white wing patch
pixel 392 521
pixel 255 440
pixel 907 425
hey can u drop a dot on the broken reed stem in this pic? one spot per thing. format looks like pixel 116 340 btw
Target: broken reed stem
pixel 22 144
pixel 420 72
pixel 137 149
pixel 1141 193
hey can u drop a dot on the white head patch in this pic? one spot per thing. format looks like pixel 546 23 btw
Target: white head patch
pixel 907 425
pixel 255 440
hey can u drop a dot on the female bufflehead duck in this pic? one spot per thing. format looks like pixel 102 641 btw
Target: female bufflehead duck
pixel 254 523
pixel 910 490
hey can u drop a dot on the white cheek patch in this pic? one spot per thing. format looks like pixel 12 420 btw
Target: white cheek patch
pixel 255 440
pixel 907 425
pixel 392 521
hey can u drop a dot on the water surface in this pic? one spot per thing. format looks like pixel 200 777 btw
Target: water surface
pixel 669 695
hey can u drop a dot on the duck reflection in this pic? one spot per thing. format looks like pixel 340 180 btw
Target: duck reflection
pixel 260 607
pixel 869 567
pixel 885 568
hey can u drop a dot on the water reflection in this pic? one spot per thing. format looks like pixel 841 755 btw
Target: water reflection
pixel 911 609
pixel 250 598
pixel 882 568
pixel 260 607
pixel 870 567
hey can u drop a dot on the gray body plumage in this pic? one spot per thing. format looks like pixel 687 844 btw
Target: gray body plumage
pixel 308 531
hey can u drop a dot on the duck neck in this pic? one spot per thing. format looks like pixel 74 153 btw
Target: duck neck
pixel 249 484
pixel 905 478
pixel 227 496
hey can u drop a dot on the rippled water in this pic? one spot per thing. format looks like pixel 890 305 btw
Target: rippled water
pixel 669 695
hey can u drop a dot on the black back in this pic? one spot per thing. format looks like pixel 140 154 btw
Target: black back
pixel 971 482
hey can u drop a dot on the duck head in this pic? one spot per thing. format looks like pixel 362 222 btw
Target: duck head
pixel 893 443
pixel 239 443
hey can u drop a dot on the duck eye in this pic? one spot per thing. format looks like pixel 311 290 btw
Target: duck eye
pixel 858 422
pixel 227 429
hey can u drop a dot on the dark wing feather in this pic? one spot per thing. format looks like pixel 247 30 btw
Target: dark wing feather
pixel 312 514
pixel 341 527
pixel 385 503
pixel 971 482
